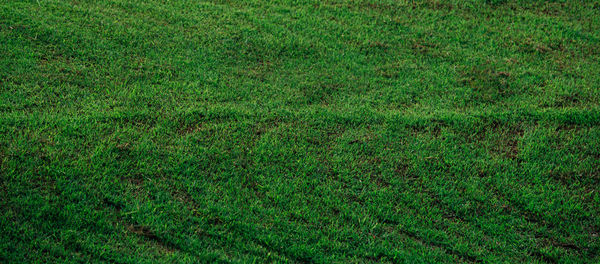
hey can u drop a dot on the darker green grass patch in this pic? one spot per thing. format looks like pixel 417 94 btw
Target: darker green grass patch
pixel 488 85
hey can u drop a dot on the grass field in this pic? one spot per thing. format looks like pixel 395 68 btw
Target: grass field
pixel 307 131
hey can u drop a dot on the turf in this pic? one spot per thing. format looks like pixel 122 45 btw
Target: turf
pixel 308 131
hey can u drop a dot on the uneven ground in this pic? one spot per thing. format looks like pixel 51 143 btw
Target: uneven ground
pixel 299 131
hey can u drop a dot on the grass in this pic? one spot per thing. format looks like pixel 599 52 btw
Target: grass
pixel 312 131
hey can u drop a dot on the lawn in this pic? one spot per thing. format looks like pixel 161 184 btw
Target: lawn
pixel 299 131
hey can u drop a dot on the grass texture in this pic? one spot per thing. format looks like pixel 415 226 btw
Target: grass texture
pixel 299 131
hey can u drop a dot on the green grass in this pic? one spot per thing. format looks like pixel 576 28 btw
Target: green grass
pixel 311 131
